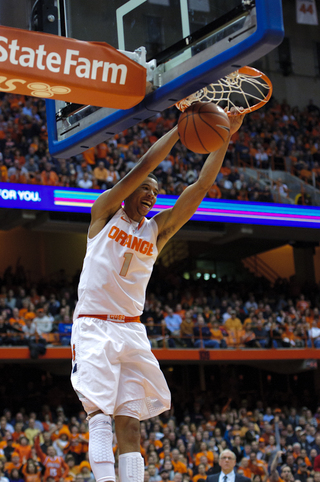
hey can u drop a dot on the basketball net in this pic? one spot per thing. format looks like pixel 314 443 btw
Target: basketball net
pixel 247 87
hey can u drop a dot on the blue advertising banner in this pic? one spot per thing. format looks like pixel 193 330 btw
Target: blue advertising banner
pixel 47 198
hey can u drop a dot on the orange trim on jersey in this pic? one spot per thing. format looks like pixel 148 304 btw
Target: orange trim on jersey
pixel 129 220
pixel 114 318
pixel 141 223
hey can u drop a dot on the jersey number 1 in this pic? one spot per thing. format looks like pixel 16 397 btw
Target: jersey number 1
pixel 126 264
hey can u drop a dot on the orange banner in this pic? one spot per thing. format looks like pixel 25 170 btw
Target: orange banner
pixel 53 67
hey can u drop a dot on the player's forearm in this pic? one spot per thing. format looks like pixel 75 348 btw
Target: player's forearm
pixel 158 151
pixel 212 166
pixel 110 200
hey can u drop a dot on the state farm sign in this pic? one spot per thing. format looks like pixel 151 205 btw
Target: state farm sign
pixel 48 66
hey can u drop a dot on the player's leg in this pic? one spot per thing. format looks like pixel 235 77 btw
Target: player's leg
pixel 101 456
pixel 131 463
pixel 95 378
pixel 142 393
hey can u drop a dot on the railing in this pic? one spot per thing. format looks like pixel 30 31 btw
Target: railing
pixel 260 268
pixel 286 167
pixel 232 339
pixel 166 340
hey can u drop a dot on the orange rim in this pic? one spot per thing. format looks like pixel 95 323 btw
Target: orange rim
pixel 244 71
pixel 251 72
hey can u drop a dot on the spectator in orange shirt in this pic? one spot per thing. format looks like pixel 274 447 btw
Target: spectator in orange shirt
pixel 31 471
pixel 226 168
pixel 55 429
pixel 75 445
pixel 55 466
pixel 89 156
pixel 233 323
pixel 204 451
pixel 18 431
pixel 3 171
pixel 214 191
pixel 257 467
pixel 296 450
pixel 302 304
pixel 24 449
pixel 152 440
pixel 18 174
pixel 16 318
pixel 177 465
pixel 101 150
pixel 201 473
pixel 14 464
pixel 48 176
pixel 244 465
pixel 216 333
pixel 100 174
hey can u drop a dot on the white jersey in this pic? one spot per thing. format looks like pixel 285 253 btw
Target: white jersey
pixel 117 268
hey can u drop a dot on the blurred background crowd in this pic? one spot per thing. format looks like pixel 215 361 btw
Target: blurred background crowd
pixel 277 138
pixel 178 313
pixel 269 442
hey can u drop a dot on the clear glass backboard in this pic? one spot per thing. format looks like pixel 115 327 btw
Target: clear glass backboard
pixel 184 45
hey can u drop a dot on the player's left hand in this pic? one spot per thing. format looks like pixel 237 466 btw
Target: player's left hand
pixel 236 119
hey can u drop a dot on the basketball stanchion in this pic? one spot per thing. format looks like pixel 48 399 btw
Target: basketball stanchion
pixel 247 88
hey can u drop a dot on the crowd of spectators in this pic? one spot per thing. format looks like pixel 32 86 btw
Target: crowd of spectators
pixel 277 137
pixel 269 443
pixel 216 314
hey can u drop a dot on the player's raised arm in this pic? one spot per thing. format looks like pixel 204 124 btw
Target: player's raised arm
pixel 171 220
pixel 109 202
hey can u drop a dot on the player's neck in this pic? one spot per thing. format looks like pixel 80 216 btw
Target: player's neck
pixel 134 218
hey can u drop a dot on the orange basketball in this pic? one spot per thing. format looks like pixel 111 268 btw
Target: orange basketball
pixel 203 127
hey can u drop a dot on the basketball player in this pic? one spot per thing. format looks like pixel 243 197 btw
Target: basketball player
pixel 114 371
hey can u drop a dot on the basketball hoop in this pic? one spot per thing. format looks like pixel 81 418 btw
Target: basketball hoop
pixel 247 87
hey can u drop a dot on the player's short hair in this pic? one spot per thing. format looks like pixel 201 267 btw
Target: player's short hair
pixel 153 177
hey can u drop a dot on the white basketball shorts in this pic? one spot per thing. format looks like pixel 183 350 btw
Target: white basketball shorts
pixel 112 365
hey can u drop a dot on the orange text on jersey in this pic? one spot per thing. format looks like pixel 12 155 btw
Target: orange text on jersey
pixel 138 244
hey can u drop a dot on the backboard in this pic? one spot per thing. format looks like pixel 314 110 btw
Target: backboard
pixel 184 45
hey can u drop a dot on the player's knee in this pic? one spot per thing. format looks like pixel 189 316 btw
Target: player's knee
pixel 132 430
pixel 128 428
pixel 100 448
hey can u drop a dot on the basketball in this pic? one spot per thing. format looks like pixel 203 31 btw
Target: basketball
pixel 203 127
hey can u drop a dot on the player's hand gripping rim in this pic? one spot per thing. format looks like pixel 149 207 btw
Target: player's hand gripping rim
pixel 236 118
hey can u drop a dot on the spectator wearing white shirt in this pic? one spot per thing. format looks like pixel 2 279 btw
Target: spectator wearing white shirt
pixel 227 314
pixel 43 322
pixel 85 182
pixel 165 164
pixel 314 335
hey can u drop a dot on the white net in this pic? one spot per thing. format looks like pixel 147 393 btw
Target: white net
pixel 246 87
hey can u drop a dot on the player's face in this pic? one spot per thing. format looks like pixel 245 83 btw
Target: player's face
pixel 142 200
